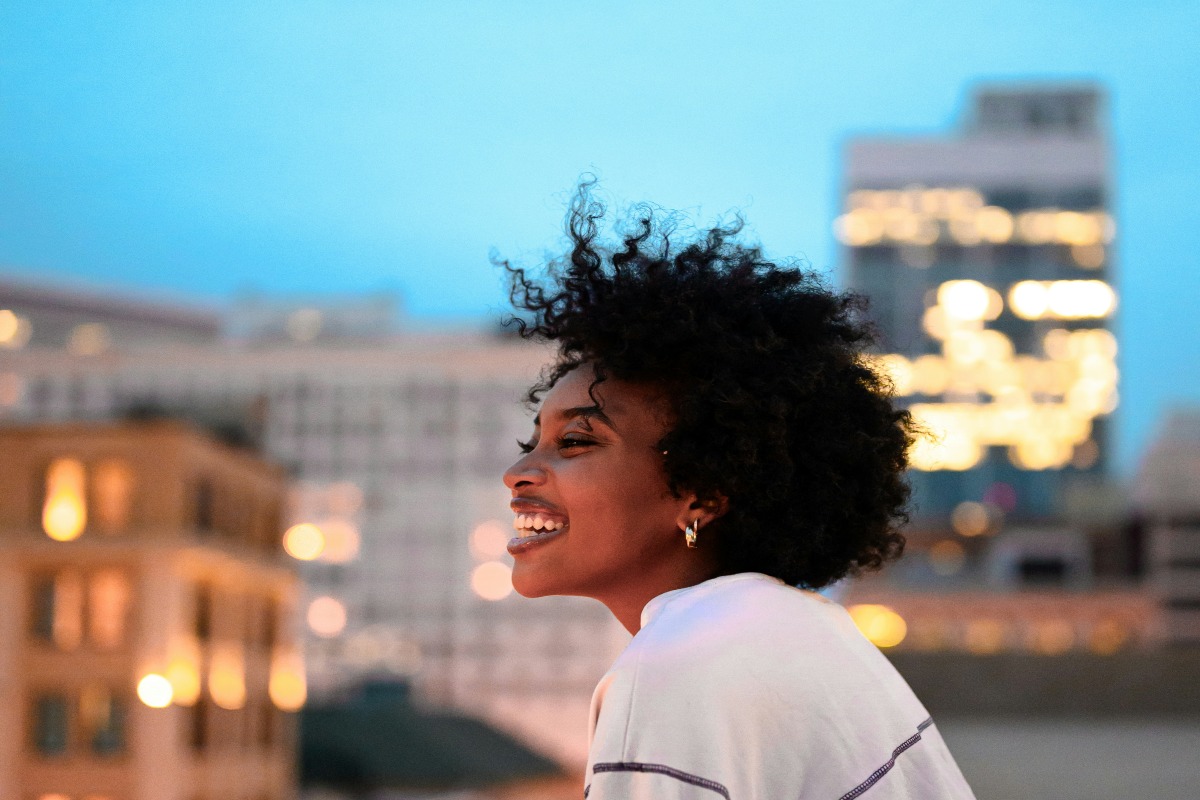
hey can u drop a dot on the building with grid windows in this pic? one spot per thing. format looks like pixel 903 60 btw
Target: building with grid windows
pixel 149 650
pixel 988 260
pixel 395 442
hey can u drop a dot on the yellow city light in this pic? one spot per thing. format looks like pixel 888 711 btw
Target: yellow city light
pixel 492 580
pixel 155 690
pixel 227 676
pixel 994 224
pixel 971 519
pixel 965 300
pixel 882 626
pixel 1108 636
pixel 930 375
pixel 1028 299
pixel 898 370
pixel 1088 256
pixel 304 542
pixel 64 515
pixel 1051 637
pixel 287 685
pixel 183 670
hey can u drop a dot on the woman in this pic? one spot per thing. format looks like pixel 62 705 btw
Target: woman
pixel 710 437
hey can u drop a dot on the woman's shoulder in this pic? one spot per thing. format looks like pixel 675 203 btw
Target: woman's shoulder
pixel 738 622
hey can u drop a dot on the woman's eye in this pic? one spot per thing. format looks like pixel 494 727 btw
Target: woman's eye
pixel 573 441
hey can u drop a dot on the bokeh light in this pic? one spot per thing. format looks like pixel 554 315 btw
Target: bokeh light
pixel 882 626
pixel 304 541
pixel 492 580
pixel 64 514
pixel 326 616
pixel 490 539
pixel 155 690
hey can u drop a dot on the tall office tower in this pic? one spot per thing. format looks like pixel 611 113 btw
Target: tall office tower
pixel 396 441
pixel 987 258
pixel 1167 495
pixel 146 610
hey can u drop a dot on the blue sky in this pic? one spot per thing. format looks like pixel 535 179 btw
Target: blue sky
pixel 195 149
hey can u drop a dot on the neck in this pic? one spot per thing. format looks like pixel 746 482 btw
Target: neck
pixel 627 603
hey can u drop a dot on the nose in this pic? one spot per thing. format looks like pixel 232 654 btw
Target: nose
pixel 526 472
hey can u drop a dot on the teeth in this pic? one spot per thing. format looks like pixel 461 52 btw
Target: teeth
pixel 530 524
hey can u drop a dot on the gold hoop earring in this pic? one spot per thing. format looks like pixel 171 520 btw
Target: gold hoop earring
pixel 690 532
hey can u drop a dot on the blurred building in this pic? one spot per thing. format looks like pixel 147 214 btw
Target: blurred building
pixel 89 323
pixel 988 260
pixel 148 651
pixel 397 441
pixel 1167 496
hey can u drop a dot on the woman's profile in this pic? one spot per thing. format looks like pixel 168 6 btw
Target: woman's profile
pixel 710 437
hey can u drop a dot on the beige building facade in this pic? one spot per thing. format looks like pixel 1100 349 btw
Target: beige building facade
pixel 147 650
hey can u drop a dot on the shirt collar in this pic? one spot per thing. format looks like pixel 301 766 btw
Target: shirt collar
pixel 657 604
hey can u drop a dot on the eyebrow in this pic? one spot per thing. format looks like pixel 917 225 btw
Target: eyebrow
pixel 587 412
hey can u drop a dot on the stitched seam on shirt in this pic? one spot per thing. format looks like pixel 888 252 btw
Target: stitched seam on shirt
pixel 874 777
pixel 660 769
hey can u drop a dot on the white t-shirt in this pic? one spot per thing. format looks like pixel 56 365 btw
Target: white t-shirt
pixel 745 688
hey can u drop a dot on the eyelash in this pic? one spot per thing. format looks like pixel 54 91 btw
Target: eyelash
pixel 562 442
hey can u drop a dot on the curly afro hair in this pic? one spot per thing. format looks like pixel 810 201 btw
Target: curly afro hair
pixel 777 409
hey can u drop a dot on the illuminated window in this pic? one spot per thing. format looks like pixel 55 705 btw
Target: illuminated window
pixel 109 598
pixel 112 494
pixel 102 718
pixel 64 510
pixel 51 723
pixel 57 605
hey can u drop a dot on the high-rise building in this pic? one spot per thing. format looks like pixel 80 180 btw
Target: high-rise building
pixel 396 442
pixel 987 257
pixel 146 617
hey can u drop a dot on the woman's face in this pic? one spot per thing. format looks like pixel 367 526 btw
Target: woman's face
pixel 593 511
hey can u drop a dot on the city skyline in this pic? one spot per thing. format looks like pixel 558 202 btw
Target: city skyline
pixel 197 152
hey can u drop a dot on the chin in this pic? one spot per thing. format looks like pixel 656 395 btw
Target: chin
pixel 528 585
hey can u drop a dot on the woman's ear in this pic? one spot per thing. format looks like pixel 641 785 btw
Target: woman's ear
pixel 703 511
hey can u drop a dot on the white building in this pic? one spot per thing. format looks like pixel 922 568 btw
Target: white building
pixel 397 443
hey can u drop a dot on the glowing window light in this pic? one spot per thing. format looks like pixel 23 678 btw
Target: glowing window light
pixel 64 515
pixel 965 347
pixel 227 677
pixel 971 519
pixel 492 580
pixel 67 624
pixel 1096 341
pixel 965 300
pixel 1028 299
pixel 1036 227
pixel 996 346
pixel 341 541
pixel 994 224
pixel 882 626
pixel 109 600
pixel 964 231
pixel 89 339
pixel 1107 637
pixel 1041 452
pixel 947 557
pixel 287 685
pixel 934 322
pixel 1074 228
pixel 14 330
pixel 490 538
pixel 985 636
pixel 304 542
pixel 1088 256
pixel 949 444
pixel 155 690
pixel 1051 637
pixel 862 226
pixel 112 488
pixel 326 616
pixel 899 371
pixel 900 224
pixel 930 375
pixel 1057 344
pixel 54 796
pixel 183 670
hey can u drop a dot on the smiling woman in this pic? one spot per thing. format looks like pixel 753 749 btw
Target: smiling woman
pixel 712 444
